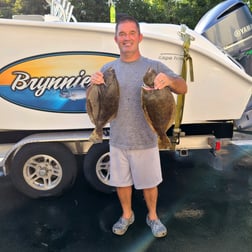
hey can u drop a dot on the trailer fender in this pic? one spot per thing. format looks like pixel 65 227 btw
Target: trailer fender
pixel 66 137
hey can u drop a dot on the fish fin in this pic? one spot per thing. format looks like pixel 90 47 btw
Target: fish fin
pixel 164 142
pixel 90 111
pixel 96 137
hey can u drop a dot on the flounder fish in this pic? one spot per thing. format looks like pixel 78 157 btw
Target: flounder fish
pixel 159 108
pixel 102 103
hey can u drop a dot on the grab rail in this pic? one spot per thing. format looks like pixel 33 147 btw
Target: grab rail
pixel 62 9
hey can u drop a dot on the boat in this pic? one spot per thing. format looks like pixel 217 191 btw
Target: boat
pixel 46 65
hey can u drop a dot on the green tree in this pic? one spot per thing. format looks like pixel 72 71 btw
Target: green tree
pixel 98 11
pixel 29 7
pixel 12 7
pixel 190 13
pixel 151 11
pixel 187 12
pixel 91 10
pixel 6 8
pixel 144 11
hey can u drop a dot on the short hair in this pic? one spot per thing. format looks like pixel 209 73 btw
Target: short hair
pixel 126 18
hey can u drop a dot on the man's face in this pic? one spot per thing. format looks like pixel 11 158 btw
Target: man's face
pixel 128 37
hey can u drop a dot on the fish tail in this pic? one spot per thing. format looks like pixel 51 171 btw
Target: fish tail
pixel 164 142
pixel 96 136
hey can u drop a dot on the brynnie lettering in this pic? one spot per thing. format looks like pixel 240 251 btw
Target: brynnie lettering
pixel 39 85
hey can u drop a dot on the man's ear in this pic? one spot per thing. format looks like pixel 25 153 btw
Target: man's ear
pixel 140 37
pixel 115 38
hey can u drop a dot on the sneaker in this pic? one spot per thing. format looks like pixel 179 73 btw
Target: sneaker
pixel 121 226
pixel 157 227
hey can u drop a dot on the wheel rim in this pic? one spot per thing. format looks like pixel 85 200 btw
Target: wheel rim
pixel 103 168
pixel 42 172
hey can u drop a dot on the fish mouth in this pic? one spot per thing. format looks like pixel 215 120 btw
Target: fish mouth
pixel 146 87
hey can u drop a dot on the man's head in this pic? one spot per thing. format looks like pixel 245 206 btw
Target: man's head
pixel 128 37
pixel 126 18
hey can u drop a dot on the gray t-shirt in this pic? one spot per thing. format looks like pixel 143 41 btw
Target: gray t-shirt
pixel 129 130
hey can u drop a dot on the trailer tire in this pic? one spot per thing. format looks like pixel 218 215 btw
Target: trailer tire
pixel 43 170
pixel 96 167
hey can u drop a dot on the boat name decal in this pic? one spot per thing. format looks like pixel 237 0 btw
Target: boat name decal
pixel 39 85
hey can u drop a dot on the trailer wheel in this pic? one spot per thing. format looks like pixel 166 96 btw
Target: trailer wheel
pixel 43 169
pixel 96 167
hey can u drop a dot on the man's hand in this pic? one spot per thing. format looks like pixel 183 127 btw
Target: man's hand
pixel 161 81
pixel 97 78
pixel 176 85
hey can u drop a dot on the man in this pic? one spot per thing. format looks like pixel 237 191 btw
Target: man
pixel 134 154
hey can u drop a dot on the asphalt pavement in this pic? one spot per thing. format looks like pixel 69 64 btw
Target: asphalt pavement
pixel 206 204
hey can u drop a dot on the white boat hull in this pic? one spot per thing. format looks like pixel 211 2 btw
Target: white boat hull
pixel 45 67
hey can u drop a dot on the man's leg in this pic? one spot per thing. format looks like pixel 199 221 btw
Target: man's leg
pixel 125 198
pixel 157 227
pixel 127 218
pixel 150 196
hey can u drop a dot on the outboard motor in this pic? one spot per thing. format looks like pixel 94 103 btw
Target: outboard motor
pixel 229 26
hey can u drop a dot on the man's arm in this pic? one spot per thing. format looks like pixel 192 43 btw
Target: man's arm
pixel 176 84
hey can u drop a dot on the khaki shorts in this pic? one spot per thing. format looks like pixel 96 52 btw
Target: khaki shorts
pixel 140 168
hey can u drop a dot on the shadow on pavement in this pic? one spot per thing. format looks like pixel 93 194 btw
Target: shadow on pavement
pixel 204 209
